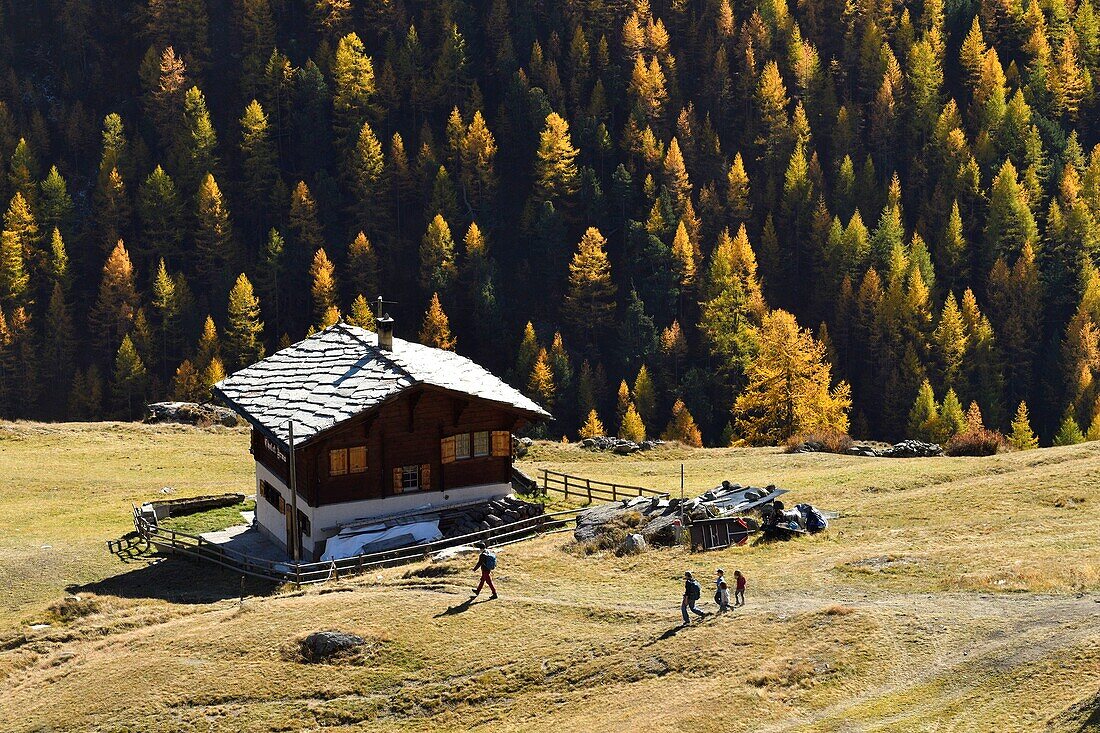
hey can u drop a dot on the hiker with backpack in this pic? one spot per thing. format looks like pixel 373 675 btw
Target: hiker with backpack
pixel 692 591
pixel 486 562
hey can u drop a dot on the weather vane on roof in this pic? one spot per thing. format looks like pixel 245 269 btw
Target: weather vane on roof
pixel 379 303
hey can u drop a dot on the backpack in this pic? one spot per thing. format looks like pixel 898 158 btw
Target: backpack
pixel 488 560
pixel 693 590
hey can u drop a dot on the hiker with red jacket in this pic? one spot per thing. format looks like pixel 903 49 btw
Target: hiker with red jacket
pixel 739 593
pixel 486 562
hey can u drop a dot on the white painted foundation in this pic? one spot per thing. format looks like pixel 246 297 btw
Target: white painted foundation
pixel 325 521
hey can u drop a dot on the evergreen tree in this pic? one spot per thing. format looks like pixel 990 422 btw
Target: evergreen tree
pixel 1069 432
pixel 528 351
pixel 645 395
pixel 738 199
pixel 1022 438
pixel 952 419
pixel 58 348
pixel 682 427
pixel 323 291
pixel 589 304
pixel 592 427
pixel 1010 225
pixel 924 416
pixel 196 147
pixel 950 342
pixel 117 303
pixel 57 262
pixel 55 205
pixel 130 381
pixel 186 384
pixel 214 246
pixel 436 331
pixel 161 215
pixel 789 387
pixel 361 314
pixel 209 346
pixel 243 329
pixel 362 266
pixel 555 162
pixel 269 274
pixel 211 375
pixel 353 87
pixel 166 305
pixel 368 181
pixel 622 401
pixel 632 428
pixel 437 256
pixel 259 161
pixel 14 280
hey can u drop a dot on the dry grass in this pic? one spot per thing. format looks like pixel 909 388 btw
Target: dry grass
pixel 953 593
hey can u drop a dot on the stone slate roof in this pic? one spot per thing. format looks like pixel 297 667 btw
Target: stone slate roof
pixel 340 372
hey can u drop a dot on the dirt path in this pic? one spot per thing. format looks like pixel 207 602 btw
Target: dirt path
pixel 1006 630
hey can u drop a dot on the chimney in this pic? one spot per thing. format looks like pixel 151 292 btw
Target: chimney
pixel 385 333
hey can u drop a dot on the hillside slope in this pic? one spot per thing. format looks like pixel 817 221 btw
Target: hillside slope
pixel 952 594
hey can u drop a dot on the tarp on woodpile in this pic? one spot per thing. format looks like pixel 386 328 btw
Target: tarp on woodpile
pixel 379 537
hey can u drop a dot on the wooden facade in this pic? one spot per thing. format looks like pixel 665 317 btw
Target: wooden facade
pixel 363 458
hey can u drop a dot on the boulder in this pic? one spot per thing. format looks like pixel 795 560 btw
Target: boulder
pixel 520 446
pixel 661 530
pixel 589 521
pixel 633 544
pixel 191 413
pixel 322 645
pixel 911 449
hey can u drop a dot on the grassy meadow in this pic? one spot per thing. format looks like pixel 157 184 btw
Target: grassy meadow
pixel 952 594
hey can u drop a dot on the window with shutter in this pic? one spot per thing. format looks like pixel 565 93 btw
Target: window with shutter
pixel 462 446
pixel 481 444
pixel 357 459
pixel 447 449
pixel 338 462
pixel 410 478
pixel 502 443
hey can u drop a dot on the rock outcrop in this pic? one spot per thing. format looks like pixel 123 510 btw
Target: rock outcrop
pixel 191 413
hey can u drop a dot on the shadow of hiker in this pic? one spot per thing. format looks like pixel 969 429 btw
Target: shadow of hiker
pixel 460 607
pixel 177 580
pixel 668 634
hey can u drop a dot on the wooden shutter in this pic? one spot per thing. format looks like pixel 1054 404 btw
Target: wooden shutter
pixel 357 459
pixel 447 449
pixel 397 488
pixel 425 476
pixel 502 443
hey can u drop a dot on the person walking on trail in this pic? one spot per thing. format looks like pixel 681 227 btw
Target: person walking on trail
pixel 719 579
pixel 723 596
pixel 692 591
pixel 486 562
pixel 739 593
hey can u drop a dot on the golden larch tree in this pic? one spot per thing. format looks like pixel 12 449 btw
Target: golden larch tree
pixel 789 387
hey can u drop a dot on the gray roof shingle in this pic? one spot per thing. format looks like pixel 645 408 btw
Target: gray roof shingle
pixel 340 372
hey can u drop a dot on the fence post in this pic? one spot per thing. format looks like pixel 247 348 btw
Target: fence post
pixel 566 477
pixel 588 485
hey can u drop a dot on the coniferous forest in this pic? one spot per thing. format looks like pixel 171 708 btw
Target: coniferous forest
pixel 715 220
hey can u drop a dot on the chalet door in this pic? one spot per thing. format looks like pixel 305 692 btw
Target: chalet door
pixel 288 514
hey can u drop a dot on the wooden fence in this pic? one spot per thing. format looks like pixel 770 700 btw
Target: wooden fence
pixel 302 573
pixel 585 488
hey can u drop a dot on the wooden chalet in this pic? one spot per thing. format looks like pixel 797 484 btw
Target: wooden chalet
pixel 381 427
